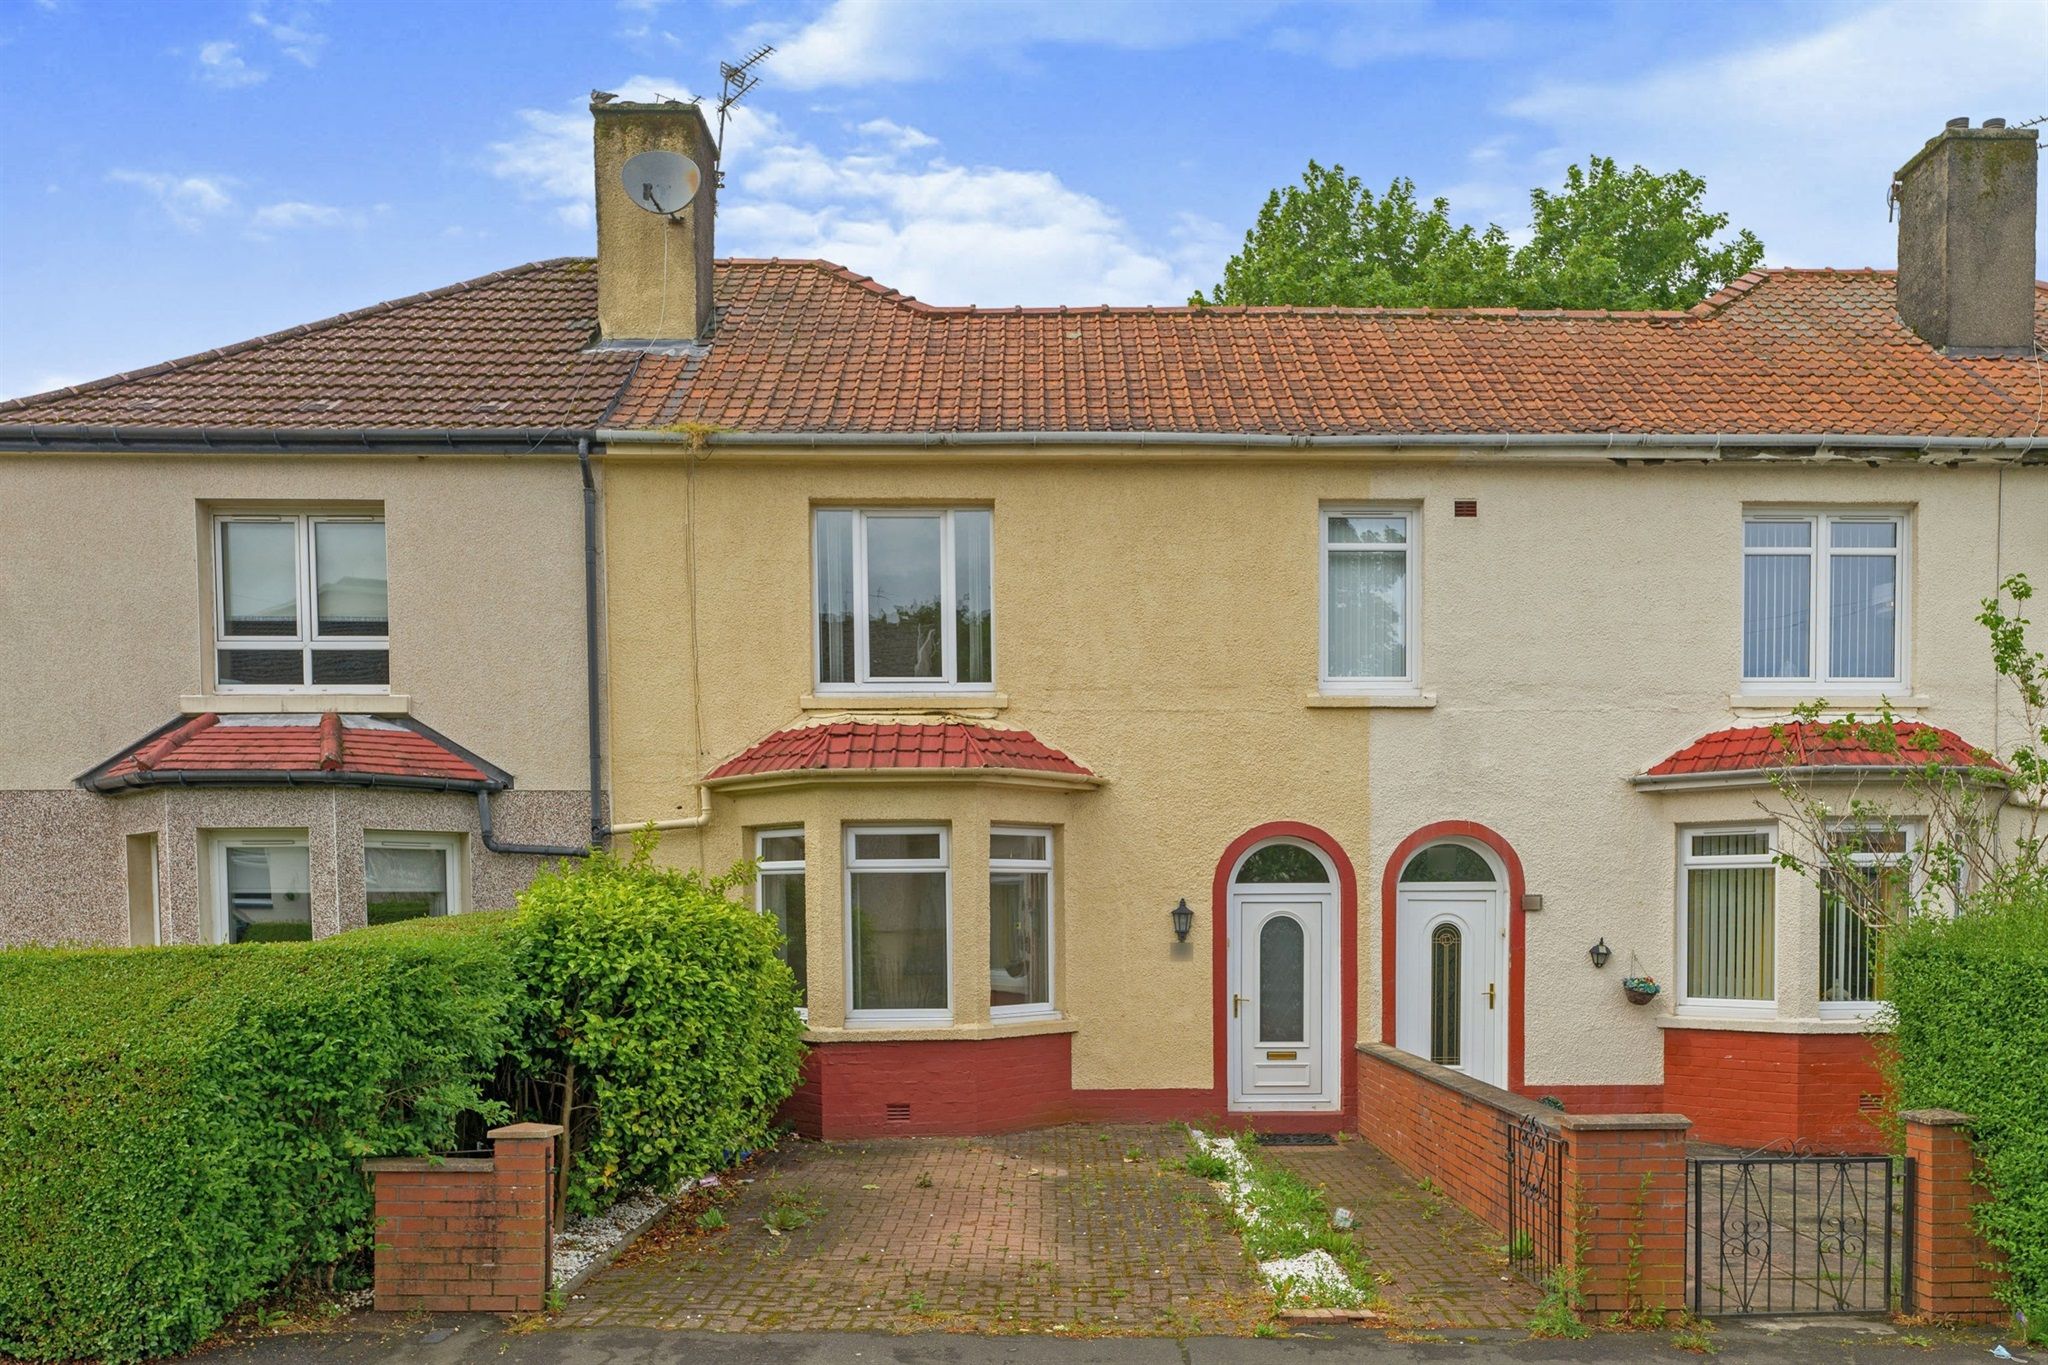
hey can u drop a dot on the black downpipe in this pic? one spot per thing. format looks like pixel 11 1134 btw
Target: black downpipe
pixel 597 823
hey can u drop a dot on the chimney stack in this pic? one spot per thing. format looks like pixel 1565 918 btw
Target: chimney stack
pixel 653 269
pixel 1966 239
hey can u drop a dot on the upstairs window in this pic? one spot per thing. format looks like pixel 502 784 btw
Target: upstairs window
pixel 1368 600
pixel 300 603
pixel 1822 598
pixel 904 599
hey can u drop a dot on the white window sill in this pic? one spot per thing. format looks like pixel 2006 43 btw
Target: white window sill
pixel 281 703
pixel 953 702
pixel 899 1019
pixel 1021 1014
pixel 1404 699
pixel 1732 1023
pixel 940 1033
pixel 1784 702
pixel 1857 1012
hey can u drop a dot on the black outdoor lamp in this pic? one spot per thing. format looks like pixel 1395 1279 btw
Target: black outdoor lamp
pixel 1600 952
pixel 1183 920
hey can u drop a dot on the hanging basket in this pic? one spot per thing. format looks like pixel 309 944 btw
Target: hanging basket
pixel 1641 990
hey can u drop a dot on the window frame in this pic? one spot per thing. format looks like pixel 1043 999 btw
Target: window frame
pixel 1411 605
pixel 1051 1008
pixel 864 680
pixel 1910 832
pixel 452 848
pixel 1715 1006
pixel 765 867
pixel 308 640
pixel 851 864
pixel 1820 553
pixel 214 909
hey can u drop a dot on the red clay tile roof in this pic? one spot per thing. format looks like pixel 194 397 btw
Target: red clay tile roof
pixel 291 750
pixel 805 347
pixel 1818 744
pixel 864 746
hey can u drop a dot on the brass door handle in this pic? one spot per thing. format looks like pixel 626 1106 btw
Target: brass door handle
pixel 1235 1001
pixel 1489 995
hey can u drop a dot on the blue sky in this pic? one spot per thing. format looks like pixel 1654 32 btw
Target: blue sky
pixel 183 174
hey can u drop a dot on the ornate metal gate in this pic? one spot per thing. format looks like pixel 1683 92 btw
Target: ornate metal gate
pixel 1799 1234
pixel 1535 1156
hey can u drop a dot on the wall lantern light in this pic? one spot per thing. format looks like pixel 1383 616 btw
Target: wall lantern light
pixel 1183 920
pixel 1600 952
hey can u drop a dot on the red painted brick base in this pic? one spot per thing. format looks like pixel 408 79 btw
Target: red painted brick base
pixel 466 1235
pixel 1753 1089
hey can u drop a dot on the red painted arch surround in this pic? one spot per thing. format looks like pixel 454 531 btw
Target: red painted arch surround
pixel 1347 935
pixel 1518 926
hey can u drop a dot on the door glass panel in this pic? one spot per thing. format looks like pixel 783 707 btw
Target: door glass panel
pixel 1283 978
pixel 1446 966
pixel 268 895
pixel 1447 863
pixel 259 578
pixel 904 593
pixel 1283 863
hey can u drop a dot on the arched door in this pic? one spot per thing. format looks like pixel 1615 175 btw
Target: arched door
pixel 1283 984
pixel 1452 957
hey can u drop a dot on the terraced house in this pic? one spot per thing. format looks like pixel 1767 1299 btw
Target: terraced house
pixel 1131 711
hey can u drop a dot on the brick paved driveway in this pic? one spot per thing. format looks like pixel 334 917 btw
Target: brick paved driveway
pixel 1091 1228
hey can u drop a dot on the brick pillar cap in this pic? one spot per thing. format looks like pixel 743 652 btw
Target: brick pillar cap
pixel 525 1130
pixel 1937 1118
pixel 1586 1122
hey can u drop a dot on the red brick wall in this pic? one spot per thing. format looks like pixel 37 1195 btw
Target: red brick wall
pixel 934 1089
pixel 1953 1272
pixel 1437 1124
pixel 1754 1089
pixel 468 1236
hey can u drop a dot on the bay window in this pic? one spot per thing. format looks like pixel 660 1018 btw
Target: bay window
pixel 411 876
pixel 301 603
pixel 904 599
pixel 261 887
pixel 899 907
pixel 1851 980
pixel 1020 946
pixel 1727 921
pixel 1368 600
pixel 1823 599
pixel 779 894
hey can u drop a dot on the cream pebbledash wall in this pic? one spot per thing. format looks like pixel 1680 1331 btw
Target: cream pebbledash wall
pixel 1157 618
pixel 106 603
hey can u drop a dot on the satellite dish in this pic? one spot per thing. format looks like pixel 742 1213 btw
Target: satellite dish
pixel 661 182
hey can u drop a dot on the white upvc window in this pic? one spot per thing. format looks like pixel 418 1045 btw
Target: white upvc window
pixel 904 599
pixel 1728 920
pixel 300 604
pixel 1020 924
pixel 779 894
pixel 1851 970
pixel 260 886
pixel 899 925
pixel 1824 600
pixel 1369 599
pixel 411 876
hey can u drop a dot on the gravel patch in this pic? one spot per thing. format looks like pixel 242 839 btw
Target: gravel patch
pixel 593 1237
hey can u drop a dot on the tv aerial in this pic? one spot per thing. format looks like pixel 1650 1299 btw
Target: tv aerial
pixel 738 78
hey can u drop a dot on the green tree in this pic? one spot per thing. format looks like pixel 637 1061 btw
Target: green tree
pixel 1610 239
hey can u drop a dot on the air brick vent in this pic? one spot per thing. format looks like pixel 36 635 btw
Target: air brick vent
pixel 898 1113
pixel 1465 507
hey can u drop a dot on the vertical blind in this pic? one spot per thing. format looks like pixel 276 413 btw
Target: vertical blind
pixel 1852 566
pixel 1366 595
pixel 1731 917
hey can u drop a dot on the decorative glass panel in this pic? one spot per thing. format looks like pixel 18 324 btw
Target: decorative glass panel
pixel 904 591
pixel 899 940
pixel 259 575
pixel 404 883
pixel 1446 963
pixel 1777 611
pixel 782 896
pixel 1019 939
pixel 1447 863
pixel 1282 863
pixel 893 846
pixel 268 895
pixel 834 551
pixel 350 593
pixel 973 598
pixel 1731 928
pixel 1015 847
pixel 1863 615
pixel 1367 603
pixel 1283 981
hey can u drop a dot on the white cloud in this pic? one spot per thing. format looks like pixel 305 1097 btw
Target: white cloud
pixel 1387 30
pixel 889 204
pixel 1797 138
pixel 187 200
pixel 291 26
pixel 292 214
pixel 222 66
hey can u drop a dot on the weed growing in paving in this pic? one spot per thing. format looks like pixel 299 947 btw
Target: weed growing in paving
pixel 711 1220
pixel 1285 1226
pixel 792 1210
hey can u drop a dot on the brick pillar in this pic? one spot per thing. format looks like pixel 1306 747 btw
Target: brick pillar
pixel 1625 1192
pixel 1953 1270
pixel 523 1162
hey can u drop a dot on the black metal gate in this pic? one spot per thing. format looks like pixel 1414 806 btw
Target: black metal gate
pixel 1799 1234
pixel 1535 1155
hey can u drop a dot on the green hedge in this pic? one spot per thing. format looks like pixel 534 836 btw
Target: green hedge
pixel 674 1008
pixel 179 1127
pixel 1971 996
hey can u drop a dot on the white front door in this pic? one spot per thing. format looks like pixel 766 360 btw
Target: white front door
pixel 1283 1000
pixel 1451 996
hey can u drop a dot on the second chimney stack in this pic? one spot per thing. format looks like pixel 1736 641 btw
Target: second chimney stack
pixel 1966 239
